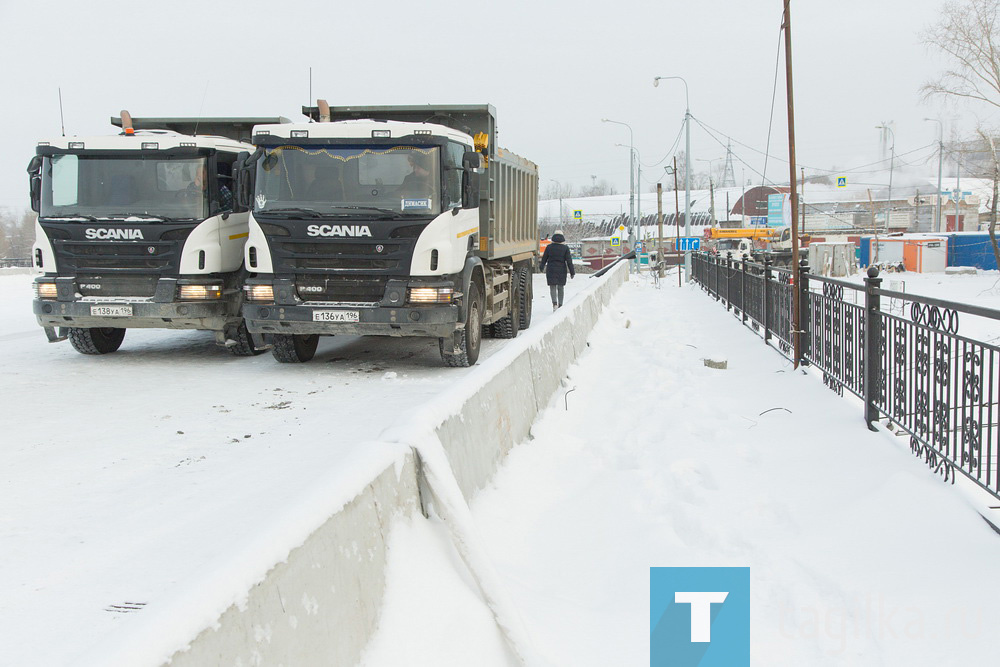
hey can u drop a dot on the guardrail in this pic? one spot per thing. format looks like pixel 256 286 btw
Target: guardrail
pixel 908 363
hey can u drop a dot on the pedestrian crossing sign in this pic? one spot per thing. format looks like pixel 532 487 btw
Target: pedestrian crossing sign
pixel 578 215
pixel 615 241
pixel 842 181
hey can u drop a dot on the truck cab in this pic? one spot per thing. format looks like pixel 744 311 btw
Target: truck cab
pixel 139 230
pixel 374 221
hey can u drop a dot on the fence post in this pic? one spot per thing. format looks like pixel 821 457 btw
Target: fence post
pixel 767 288
pixel 873 358
pixel 718 264
pixel 743 289
pixel 805 335
pixel 729 275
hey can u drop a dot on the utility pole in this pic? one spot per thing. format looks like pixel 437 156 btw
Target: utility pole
pixel 677 220
pixel 803 198
pixel 796 342
pixel 659 226
pixel 711 200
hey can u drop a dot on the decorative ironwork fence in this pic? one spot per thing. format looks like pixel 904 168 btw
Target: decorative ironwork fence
pixel 908 364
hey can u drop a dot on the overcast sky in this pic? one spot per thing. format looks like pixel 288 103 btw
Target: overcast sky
pixel 551 68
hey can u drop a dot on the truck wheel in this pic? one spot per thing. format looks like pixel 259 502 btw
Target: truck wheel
pixel 294 348
pixel 96 341
pixel 245 347
pixel 470 338
pixel 507 327
pixel 525 293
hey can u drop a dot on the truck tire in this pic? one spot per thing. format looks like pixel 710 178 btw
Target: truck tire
pixel 294 348
pixel 470 338
pixel 96 341
pixel 245 347
pixel 507 327
pixel 524 296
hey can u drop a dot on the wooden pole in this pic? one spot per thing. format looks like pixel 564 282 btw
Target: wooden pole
pixel 677 219
pixel 796 345
pixel 659 224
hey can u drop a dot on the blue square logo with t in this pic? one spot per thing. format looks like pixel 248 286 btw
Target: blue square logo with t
pixel 699 616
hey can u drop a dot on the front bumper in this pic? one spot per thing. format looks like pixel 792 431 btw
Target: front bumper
pixel 391 316
pixel 432 321
pixel 161 311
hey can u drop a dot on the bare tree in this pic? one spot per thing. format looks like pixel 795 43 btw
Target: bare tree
pixel 987 137
pixel 969 35
pixel 598 189
pixel 557 190
pixel 17 229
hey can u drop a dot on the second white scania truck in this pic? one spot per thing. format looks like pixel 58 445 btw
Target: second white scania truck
pixel 390 221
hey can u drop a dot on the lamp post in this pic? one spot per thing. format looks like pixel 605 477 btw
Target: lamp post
pixel 687 165
pixel 635 228
pixel 892 156
pixel 711 185
pixel 559 192
pixel 631 168
pixel 937 222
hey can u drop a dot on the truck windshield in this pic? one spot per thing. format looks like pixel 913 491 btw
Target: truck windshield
pixel 336 181
pixel 107 187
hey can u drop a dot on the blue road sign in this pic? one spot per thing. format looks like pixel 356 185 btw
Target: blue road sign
pixel 577 215
pixel 686 243
pixel 842 181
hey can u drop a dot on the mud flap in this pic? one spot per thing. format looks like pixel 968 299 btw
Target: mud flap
pixel 456 340
pixel 56 335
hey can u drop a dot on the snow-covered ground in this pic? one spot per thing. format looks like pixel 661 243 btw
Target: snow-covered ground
pixel 171 471
pixel 858 553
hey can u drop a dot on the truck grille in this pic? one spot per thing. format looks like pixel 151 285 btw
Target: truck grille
pixel 386 258
pixel 156 256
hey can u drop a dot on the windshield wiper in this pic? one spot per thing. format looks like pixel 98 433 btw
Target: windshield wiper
pixel 144 216
pixel 387 211
pixel 69 217
pixel 286 212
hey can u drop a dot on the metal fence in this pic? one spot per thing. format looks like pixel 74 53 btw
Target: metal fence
pixel 900 353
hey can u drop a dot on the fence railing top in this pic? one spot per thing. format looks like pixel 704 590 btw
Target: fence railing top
pixel 989 313
pixel 835 281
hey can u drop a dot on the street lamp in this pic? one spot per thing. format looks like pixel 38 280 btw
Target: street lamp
pixel 635 228
pixel 559 193
pixel 711 185
pixel 631 168
pixel 892 156
pixel 687 165
pixel 937 223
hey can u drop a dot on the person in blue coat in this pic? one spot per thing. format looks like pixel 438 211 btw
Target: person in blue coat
pixel 557 261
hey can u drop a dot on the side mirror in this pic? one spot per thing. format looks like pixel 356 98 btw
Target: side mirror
pixel 472 160
pixel 470 189
pixel 35 182
pixel 244 177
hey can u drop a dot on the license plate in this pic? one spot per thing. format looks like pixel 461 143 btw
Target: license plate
pixel 111 311
pixel 336 316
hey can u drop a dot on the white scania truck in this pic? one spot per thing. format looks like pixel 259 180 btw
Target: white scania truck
pixel 140 229
pixel 390 221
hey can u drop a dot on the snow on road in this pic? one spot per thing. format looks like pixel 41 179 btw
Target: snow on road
pixel 858 553
pixel 170 470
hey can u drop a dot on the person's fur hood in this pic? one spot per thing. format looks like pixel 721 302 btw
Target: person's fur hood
pixel 558 237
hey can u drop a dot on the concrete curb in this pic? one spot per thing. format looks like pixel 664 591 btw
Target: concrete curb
pixel 320 607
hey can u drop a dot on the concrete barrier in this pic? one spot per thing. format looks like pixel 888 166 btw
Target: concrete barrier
pixel 320 606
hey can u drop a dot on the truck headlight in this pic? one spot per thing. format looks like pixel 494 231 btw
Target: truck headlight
pixel 259 293
pixel 199 292
pixel 430 294
pixel 45 290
